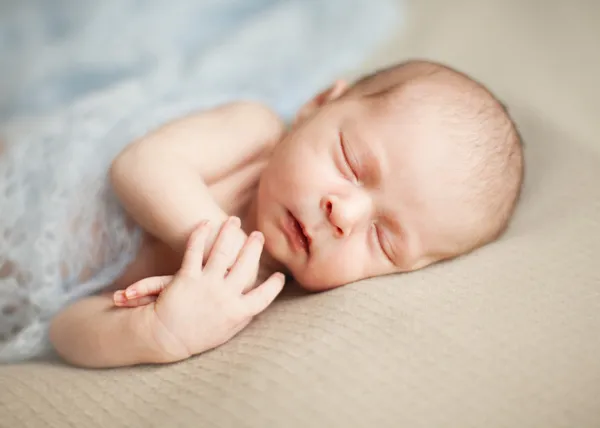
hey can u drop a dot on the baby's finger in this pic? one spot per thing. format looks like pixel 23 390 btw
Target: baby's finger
pixel 147 287
pixel 261 297
pixel 119 298
pixel 245 269
pixel 224 251
pixel 134 303
pixel 194 254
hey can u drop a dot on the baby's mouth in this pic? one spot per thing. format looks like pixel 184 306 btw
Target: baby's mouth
pixel 300 232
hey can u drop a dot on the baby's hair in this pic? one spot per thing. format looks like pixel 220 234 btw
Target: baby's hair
pixel 485 137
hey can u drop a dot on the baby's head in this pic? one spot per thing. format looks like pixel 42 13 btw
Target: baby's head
pixel 409 166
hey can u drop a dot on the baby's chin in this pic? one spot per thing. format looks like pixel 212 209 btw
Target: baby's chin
pixel 306 276
pixel 312 280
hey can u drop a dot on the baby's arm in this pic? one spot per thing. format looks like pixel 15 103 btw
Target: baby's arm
pixel 94 333
pixel 162 179
pixel 201 307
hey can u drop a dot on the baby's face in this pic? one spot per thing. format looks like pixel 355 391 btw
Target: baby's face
pixel 353 191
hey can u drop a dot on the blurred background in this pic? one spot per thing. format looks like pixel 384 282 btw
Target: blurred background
pixel 147 56
pixel 141 62
pixel 136 57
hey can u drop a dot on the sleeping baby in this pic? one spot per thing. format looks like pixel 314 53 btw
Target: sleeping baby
pixel 407 167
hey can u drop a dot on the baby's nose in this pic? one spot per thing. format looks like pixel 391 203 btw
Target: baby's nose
pixel 345 214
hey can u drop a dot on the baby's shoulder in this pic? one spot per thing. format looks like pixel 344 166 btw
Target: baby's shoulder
pixel 245 133
pixel 215 141
pixel 254 111
pixel 258 120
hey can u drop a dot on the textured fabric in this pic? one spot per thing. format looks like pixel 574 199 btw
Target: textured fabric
pixel 504 337
pixel 74 92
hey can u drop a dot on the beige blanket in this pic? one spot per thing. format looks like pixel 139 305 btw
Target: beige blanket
pixel 508 336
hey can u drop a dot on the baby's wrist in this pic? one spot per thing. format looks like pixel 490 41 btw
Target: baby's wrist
pixel 162 346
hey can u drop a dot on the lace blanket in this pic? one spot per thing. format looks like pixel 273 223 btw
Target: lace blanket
pixel 82 78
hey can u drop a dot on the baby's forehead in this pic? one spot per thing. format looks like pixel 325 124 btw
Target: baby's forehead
pixel 398 123
pixel 427 120
pixel 417 147
pixel 429 112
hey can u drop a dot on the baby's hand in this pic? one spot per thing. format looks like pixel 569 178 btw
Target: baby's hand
pixel 146 291
pixel 203 307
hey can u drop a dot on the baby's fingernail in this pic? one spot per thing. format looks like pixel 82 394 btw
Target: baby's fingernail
pixel 280 276
pixel 258 236
pixel 235 221
pixel 119 297
pixel 131 293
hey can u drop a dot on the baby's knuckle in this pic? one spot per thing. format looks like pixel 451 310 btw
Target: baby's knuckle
pixel 212 279
pixel 234 314
pixel 222 252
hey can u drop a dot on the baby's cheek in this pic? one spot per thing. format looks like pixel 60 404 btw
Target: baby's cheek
pixel 335 271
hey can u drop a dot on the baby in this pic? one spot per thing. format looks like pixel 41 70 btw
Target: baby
pixel 409 166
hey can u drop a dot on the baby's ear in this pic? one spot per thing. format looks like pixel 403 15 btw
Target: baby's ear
pixel 333 92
